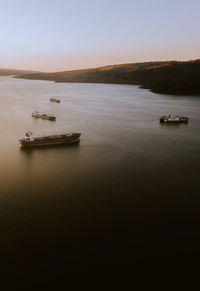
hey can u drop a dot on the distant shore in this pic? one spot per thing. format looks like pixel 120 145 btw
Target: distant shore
pixel 167 77
pixel 10 72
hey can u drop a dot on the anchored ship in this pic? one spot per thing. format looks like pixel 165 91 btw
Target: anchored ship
pixel 66 138
pixel 52 99
pixel 36 114
pixel 173 119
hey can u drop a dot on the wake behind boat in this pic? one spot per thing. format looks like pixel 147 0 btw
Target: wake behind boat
pixel 36 114
pixel 57 139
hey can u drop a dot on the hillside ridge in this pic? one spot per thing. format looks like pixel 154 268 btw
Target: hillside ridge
pixel 168 77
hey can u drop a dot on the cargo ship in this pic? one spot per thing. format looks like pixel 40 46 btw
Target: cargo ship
pixel 173 119
pixel 36 114
pixel 52 99
pixel 57 139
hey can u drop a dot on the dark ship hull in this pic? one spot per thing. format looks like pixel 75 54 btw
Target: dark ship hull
pixel 58 139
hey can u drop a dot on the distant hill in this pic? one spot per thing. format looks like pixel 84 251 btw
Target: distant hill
pixel 170 77
pixel 8 72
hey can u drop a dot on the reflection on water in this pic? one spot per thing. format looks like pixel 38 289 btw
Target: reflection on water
pixel 172 126
pixel 128 188
pixel 28 152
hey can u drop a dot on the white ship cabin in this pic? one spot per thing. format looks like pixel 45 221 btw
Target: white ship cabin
pixel 29 136
pixel 175 118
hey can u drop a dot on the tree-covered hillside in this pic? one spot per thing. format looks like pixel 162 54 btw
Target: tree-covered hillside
pixel 170 77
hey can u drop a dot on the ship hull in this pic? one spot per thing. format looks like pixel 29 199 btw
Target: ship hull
pixel 55 101
pixel 174 121
pixel 51 118
pixel 39 144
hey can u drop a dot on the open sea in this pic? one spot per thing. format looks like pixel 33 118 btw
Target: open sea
pixel 129 191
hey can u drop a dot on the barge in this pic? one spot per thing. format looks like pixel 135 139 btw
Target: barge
pixel 173 119
pixel 57 139
pixel 52 99
pixel 36 114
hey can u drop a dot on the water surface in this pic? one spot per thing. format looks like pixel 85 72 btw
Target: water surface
pixel 128 190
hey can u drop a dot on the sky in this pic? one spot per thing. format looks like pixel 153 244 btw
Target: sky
pixel 58 35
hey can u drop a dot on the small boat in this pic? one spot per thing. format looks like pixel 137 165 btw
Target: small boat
pixel 173 119
pixel 57 139
pixel 52 99
pixel 36 114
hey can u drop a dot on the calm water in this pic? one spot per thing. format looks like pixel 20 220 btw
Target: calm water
pixel 129 190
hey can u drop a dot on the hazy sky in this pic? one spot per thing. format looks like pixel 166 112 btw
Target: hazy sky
pixel 54 35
